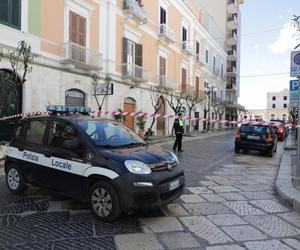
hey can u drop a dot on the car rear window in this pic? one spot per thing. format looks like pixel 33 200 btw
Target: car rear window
pixel 253 129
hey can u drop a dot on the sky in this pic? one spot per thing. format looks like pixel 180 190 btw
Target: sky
pixel 266 42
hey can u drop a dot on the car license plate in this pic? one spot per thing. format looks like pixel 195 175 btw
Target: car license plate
pixel 173 185
pixel 253 137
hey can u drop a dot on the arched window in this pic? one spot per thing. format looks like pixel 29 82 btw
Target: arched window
pixel 75 97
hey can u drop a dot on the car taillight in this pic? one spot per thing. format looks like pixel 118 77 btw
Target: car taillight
pixel 238 136
pixel 270 139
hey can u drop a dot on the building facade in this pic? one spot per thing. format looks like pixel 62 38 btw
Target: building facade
pixel 181 45
pixel 277 106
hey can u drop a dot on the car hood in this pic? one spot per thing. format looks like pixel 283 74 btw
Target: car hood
pixel 148 154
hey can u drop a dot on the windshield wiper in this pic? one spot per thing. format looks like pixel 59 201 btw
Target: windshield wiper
pixel 136 144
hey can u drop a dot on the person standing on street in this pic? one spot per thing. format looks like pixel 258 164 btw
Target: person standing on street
pixel 178 127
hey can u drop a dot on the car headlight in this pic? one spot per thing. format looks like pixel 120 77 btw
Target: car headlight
pixel 137 167
pixel 175 158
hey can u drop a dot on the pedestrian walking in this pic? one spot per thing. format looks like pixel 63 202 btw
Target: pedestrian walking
pixel 178 127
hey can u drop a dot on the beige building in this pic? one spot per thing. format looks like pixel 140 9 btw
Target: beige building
pixel 277 106
pixel 183 45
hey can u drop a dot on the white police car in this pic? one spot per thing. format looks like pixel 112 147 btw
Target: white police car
pixel 93 160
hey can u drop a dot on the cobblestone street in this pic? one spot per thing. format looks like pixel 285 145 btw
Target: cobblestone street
pixel 229 203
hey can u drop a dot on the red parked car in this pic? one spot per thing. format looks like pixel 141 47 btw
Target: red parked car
pixel 280 129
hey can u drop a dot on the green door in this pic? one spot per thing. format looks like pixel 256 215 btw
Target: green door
pixel 10 102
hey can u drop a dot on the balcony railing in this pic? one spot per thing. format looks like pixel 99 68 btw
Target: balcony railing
pixel 232 39
pixel 134 72
pixel 187 48
pixel 231 86
pixel 199 59
pixel 132 9
pixel 166 34
pixel 165 81
pixel 82 57
pixel 232 22
pixel 231 55
pixel 231 71
pixel 232 6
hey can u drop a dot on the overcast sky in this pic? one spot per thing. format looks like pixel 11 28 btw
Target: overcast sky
pixel 267 39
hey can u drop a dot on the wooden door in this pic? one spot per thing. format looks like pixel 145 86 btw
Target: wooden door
pixel 160 123
pixel 129 120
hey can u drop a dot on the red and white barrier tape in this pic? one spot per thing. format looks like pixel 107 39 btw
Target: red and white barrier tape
pixel 158 116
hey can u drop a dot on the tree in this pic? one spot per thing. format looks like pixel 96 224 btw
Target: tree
pixel 95 86
pixel 296 25
pixel 20 59
pixel 205 112
pixel 219 109
pixel 156 94
pixel 191 100
pixel 174 99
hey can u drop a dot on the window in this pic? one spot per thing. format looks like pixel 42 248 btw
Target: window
pixel 35 132
pixel 184 34
pixel 197 48
pixel 162 70
pixel 183 80
pixel 163 16
pixel 132 57
pixel 10 13
pixel 206 56
pixel 214 64
pixel 284 105
pixel 197 85
pixel 273 106
pixel 285 98
pixel 273 98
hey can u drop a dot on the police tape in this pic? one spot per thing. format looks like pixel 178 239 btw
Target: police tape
pixel 156 116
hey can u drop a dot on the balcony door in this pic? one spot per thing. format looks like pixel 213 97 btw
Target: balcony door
pixel 130 58
pixel 77 37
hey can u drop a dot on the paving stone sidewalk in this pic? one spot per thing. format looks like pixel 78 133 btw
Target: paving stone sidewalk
pixel 233 207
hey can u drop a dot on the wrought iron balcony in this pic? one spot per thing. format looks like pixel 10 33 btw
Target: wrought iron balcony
pixel 232 6
pixel 187 48
pixel 165 81
pixel 132 9
pixel 199 59
pixel 134 72
pixel 232 22
pixel 232 39
pixel 82 57
pixel 231 55
pixel 166 34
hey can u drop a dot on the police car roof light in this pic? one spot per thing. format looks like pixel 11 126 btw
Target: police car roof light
pixel 56 108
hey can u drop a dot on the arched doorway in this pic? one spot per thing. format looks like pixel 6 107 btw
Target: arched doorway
pixel 129 106
pixel 75 97
pixel 160 123
pixel 10 102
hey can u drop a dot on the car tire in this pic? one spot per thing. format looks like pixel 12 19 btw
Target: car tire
pixel 15 180
pixel 104 201
pixel 236 149
pixel 270 153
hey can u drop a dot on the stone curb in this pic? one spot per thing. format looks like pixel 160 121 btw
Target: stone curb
pixel 284 185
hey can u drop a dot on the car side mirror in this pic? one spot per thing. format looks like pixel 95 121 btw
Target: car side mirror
pixel 71 144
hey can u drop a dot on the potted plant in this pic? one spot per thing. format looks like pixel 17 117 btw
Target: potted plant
pixel 119 118
pixel 141 123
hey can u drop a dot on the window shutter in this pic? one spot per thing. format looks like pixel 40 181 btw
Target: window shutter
pixel 183 80
pixel 125 47
pixel 73 37
pixel 82 31
pixel 139 55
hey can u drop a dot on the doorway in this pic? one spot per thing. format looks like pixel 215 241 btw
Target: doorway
pixel 129 106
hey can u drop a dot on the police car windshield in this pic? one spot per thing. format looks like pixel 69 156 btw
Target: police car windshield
pixel 109 134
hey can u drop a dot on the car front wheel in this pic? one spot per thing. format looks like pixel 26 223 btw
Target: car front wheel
pixel 104 201
pixel 15 180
